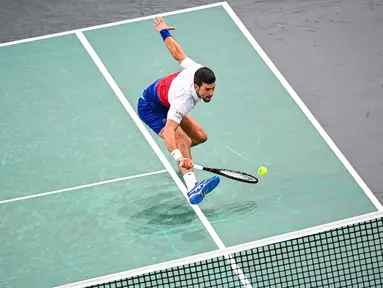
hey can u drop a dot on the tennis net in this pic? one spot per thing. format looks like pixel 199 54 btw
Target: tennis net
pixel 341 254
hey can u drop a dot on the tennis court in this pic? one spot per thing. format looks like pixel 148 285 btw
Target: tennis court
pixel 88 191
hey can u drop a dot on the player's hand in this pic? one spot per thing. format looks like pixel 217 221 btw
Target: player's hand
pixel 159 24
pixel 185 163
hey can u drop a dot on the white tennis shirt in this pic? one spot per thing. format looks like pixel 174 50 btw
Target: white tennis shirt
pixel 177 91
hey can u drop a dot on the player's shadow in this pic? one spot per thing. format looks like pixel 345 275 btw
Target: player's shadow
pixel 169 213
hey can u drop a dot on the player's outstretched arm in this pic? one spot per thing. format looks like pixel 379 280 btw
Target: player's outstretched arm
pixel 172 45
pixel 168 134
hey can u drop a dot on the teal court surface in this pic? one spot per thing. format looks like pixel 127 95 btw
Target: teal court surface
pixel 87 190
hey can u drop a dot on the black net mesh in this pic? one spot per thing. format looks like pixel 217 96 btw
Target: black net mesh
pixel 350 256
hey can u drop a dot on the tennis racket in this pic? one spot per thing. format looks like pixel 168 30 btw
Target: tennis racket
pixel 232 174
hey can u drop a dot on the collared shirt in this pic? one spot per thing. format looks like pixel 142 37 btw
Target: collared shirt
pixel 177 92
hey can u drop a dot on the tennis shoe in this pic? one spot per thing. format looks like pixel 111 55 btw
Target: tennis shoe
pixel 197 194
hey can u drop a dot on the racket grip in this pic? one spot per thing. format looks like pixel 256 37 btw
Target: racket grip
pixel 197 167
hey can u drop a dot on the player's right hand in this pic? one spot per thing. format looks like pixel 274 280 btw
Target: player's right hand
pixel 186 163
pixel 159 24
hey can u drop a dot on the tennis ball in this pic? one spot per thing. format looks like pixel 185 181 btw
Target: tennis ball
pixel 262 170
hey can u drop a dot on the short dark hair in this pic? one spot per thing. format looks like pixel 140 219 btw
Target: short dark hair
pixel 204 75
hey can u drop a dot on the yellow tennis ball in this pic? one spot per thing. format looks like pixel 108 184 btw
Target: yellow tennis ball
pixel 262 170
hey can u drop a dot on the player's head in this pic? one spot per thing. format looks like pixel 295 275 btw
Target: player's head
pixel 204 83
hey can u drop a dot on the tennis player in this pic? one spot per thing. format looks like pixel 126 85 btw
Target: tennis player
pixel 164 107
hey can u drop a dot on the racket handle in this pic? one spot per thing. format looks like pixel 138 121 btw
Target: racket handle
pixel 197 167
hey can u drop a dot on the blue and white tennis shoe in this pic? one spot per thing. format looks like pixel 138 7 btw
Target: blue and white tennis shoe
pixel 197 194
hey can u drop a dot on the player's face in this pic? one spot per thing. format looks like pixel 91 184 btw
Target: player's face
pixel 206 91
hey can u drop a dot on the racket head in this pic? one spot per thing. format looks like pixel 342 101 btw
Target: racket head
pixel 234 174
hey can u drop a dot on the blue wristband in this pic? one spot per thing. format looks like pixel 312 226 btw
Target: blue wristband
pixel 165 34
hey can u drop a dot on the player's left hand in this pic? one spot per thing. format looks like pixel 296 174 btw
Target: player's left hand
pixel 159 24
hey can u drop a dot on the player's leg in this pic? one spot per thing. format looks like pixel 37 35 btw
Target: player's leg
pixel 196 190
pixel 197 135
pixel 191 127
pixel 184 145
pixel 155 118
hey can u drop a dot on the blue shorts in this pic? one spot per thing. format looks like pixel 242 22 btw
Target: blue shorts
pixel 150 109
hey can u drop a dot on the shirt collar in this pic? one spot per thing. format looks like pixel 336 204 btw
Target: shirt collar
pixel 194 94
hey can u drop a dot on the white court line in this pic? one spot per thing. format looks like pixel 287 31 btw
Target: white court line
pixel 159 153
pixel 266 59
pixel 230 250
pixel 300 103
pixel 110 24
pixel 81 187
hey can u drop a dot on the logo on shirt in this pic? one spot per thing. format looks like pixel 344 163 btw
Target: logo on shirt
pixel 179 114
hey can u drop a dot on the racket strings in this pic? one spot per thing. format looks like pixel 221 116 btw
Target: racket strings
pixel 239 175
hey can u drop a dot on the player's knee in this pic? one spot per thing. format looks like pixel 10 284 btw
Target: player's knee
pixel 203 137
pixel 188 141
pixel 184 139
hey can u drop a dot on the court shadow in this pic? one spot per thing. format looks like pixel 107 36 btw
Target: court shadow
pixel 230 212
pixel 170 213
pixel 162 213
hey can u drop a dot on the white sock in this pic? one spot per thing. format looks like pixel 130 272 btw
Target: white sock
pixel 190 180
